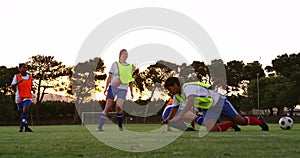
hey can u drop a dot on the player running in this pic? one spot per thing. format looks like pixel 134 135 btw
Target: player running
pixel 23 83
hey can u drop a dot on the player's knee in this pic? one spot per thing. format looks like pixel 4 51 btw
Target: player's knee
pixel 118 109
pixel 214 129
pixel 25 110
pixel 240 120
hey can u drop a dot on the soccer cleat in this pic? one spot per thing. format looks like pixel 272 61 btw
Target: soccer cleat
pixel 28 129
pixel 190 129
pixel 121 129
pixel 99 130
pixel 236 127
pixel 264 126
pixel 20 130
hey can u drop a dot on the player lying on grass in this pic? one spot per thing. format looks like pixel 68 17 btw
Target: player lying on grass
pixel 173 110
pixel 212 104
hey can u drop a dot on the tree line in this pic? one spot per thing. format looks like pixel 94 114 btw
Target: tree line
pixel 279 83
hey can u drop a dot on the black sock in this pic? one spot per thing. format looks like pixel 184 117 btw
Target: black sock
pixel 120 119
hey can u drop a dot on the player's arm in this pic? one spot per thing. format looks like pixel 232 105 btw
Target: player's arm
pixel 131 83
pixel 131 87
pixel 15 82
pixel 171 115
pixel 108 82
pixel 188 106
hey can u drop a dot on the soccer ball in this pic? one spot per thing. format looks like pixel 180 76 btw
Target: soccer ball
pixel 286 122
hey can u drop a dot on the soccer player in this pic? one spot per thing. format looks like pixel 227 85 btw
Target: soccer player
pixel 24 86
pixel 171 110
pixel 120 77
pixel 212 104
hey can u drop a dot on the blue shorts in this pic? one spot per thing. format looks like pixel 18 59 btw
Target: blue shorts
pixel 223 107
pixel 168 110
pixel 113 91
pixel 23 103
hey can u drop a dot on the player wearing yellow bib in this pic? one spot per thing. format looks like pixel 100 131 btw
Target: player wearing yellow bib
pixel 212 104
pixel 120 77
pixel 173 110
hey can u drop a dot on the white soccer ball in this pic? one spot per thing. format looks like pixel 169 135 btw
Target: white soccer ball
pixel 286 122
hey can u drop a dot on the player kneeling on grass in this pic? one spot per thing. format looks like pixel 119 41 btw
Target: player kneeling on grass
pixel 212 104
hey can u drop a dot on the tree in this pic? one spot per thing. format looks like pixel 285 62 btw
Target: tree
pixel 274 92
pixel 63 83
pixel 43 69
pixel 235 72
pixel 293 93
pixel 216 70
pixel 237 102
pixel 152 79
pixel 8 109
pixel 286 65
pixel 200 69
pixel 251 70
pixel 6 75
pixel 84 83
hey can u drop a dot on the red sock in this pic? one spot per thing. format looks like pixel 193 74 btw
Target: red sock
pixel 224 126
pixel 252 121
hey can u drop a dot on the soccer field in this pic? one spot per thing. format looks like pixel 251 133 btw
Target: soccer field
pixel 77 141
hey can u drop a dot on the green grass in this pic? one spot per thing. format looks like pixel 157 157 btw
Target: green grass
pixel 77 141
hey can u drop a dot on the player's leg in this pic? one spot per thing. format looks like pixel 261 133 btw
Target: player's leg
pixel 168 111
pixel 103 116
pixel 20 109
pixel 119 107
pixel 190 117
pixel 108 105
pixel 119 110
pixel 249 120
pixel 26 105
pixel 165 115
pixel 193 123
pixel 226 109
pixel 229 111
pixel 211 117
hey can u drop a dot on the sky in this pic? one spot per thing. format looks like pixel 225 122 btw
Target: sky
pixel 241 30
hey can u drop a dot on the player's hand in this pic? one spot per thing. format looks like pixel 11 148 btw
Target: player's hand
pixel 132 95
pixel 105 92
pixel 166 121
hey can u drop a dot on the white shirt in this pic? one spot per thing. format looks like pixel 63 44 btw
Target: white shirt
pixel 195 90
pixel 15 81
pixel 178 103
